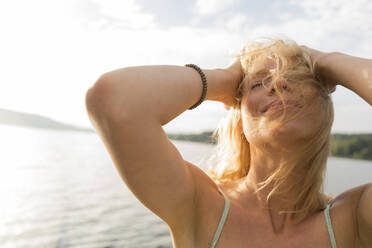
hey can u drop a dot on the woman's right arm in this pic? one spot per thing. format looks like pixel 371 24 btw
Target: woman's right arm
pixel 128 107
pixel 160 92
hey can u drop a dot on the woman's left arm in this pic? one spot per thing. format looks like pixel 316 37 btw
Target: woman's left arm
pixel 355 74
pixel 351 72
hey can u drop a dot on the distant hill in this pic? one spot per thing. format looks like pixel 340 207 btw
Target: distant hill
pixel 14 118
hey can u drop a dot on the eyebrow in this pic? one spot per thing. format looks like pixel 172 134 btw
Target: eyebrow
pixel 262 72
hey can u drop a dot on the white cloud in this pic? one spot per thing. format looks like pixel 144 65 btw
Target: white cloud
pixel 238 23
pixel 102 14
pixel 207 7
pixel 334 25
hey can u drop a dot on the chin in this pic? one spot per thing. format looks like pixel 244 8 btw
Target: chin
pixel 294 131
pixel 289 133
pixel 264 130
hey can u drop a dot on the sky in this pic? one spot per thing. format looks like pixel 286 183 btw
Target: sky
pixel 52 51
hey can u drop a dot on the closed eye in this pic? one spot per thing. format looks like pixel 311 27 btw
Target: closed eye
pixel 256 85
pixel 267 80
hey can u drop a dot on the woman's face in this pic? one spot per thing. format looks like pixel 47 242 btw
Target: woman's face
pixel 261 107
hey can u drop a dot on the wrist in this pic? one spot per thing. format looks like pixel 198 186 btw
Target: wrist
pixel 230 80
pixel 218 86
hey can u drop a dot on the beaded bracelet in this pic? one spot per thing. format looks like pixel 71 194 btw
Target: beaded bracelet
pixel 204 81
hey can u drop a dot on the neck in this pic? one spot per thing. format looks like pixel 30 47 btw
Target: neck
pixel 262 165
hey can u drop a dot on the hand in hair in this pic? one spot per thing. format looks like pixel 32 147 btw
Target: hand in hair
pixel 316 56
pixel 236 72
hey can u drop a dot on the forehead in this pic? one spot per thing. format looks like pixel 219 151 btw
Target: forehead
pixel 268 66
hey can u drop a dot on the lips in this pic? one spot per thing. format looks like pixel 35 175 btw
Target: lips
pixel 279 103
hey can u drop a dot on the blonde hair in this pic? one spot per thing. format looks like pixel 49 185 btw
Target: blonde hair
pixel 231 158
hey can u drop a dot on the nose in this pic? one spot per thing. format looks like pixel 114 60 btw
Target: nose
pixel 282 85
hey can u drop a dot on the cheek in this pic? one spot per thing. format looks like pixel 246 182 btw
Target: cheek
pixel 306 124
pixel 250 105
pixel 250 121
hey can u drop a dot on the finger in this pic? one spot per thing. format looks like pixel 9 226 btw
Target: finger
pixel 333 89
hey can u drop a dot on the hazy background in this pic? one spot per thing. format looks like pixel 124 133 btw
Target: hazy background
pixel 53 51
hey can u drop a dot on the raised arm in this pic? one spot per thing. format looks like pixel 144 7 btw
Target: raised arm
pixel 355 74
pixel 161 92
pixel 351 72
pixel 128 107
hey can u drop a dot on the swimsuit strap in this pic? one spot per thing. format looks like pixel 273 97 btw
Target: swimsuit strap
pixel 222 220
pixel 329 226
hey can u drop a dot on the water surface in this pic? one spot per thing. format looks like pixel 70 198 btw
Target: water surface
pixel 61 189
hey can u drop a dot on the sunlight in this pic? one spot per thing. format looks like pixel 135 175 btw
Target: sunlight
pixel 16 179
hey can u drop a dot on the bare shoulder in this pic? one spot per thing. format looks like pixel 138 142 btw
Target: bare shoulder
pixel 346 214
pixel 345 204
pixel 206 193
pixel 351 196
pixel 364 217
pixel 206 190
pixel 205 186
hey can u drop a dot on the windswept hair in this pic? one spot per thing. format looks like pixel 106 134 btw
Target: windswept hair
pixel 231 158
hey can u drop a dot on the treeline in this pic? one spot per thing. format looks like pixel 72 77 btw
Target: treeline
pixel 204 137
pixel 356 146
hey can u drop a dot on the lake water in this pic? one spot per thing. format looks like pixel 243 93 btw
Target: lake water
pixel 61 189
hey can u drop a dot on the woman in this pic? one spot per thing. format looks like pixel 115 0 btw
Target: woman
pixel 266 187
